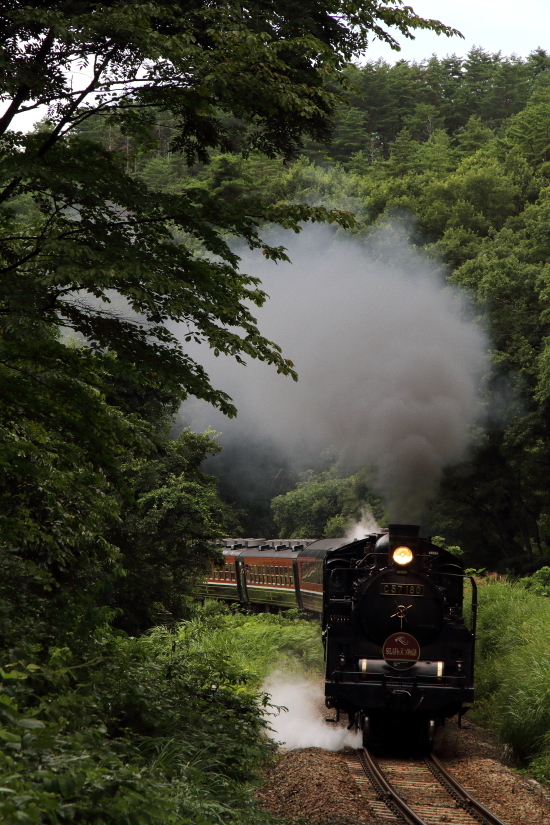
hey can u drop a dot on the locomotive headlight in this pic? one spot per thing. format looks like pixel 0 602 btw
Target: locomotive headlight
pixel 402 555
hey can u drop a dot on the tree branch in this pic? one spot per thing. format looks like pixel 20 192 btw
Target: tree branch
pixel 24 90
pixel 52 138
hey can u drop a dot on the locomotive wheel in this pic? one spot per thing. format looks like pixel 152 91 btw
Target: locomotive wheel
pixel 365 730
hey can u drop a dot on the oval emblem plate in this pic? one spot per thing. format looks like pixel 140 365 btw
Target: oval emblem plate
pixel 401 647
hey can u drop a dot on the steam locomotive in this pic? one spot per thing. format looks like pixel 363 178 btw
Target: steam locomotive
pixel 399 656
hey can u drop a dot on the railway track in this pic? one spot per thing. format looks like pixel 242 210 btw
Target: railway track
pixel 415 791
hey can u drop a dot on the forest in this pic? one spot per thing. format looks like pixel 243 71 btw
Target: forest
pixel 461 146
pixel 121 700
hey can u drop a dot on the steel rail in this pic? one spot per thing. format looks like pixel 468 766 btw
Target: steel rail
pixel 386 791
pixel 461 795
pixel 397 804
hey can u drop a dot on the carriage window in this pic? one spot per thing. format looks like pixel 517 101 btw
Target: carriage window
pixel 311 571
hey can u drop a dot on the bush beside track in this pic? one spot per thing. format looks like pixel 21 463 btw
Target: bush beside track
pixel 513 670
pixel 167 728
pixel 162 729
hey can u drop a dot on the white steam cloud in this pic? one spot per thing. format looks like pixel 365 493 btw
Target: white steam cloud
pixel 366 524
pixel 303 725
pixel 390 364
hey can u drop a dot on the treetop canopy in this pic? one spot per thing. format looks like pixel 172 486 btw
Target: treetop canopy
pixel 79 228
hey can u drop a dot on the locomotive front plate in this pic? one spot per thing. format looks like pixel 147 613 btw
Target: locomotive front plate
pixel 401 589
pixel 401 650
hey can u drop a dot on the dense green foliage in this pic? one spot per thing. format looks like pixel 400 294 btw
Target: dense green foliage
pixel 436 93
pixel 92 251
pixel 111 260
pixel 324 506
pixel 512 677
pixel 197 125
pixel 461 145
pixel 94 548
pixel 166 531
pixel 539 582
pixel 162 729
pixel 478 193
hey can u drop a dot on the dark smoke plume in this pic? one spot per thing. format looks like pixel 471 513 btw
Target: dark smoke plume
pixel 390 363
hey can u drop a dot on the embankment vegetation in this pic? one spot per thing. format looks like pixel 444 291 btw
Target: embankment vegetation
pixel 105 522
pixel 193 127
pixel 166 728
pixel 513 670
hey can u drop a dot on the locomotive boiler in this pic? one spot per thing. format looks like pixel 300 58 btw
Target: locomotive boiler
pixel 399 658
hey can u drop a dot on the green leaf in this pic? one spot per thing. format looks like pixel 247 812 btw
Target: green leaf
pixel 67 785
pixel 31 724
pixel 9 737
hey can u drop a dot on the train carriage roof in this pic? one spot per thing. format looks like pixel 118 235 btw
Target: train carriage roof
pixel 282 548
pixel 321 547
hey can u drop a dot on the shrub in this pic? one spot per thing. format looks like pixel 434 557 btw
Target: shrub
pixel 513 668
pixel 166 728
pixel 538 583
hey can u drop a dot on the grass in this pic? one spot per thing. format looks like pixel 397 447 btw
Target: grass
pixel 257 645
pixel 513 671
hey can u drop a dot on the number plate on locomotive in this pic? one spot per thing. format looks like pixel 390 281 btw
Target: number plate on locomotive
pixel 401 589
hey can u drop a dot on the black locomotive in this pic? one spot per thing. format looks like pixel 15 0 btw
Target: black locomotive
pixel 398 653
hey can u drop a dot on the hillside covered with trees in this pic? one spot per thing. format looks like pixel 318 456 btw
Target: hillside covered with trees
pixel 460 146
pixel 106 522
pixel 171 131
pixel 457 149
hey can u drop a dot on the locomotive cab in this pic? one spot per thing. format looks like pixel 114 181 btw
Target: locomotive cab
pixel 398 653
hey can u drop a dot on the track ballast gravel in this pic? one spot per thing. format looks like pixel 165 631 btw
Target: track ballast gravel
pixel 317 787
